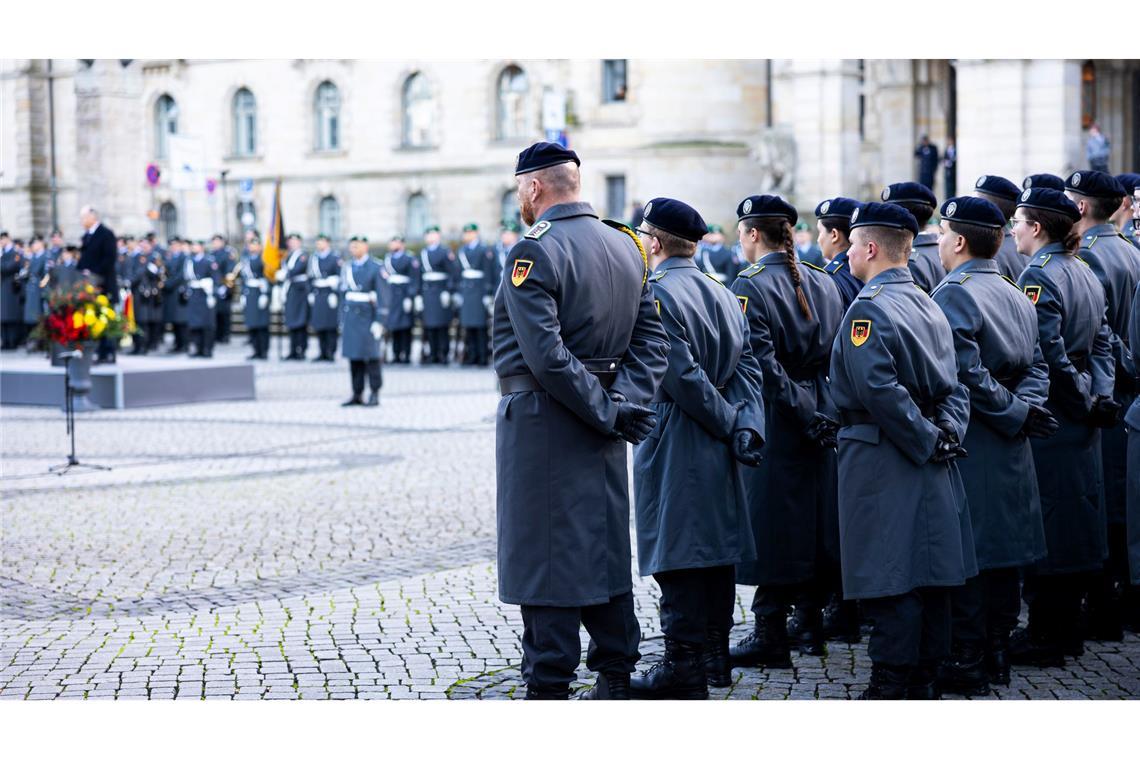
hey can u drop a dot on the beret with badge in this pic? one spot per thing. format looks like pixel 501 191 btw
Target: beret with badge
pixel 1129 182
pixel 1051 181
pixel 909 192
pixel 999 187
pixel 884 215
pixel 676 218
pixel 510 225
pixel 836 208
pixel 976 211
pixel 1094 184
pixel 1048 199
pixel 542 155
pixel 766 207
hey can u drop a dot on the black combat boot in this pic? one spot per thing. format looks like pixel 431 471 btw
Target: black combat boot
pixel 766 646
pixel 808 633
pixel 679 675
pixel 373 399
pixel 923 682
pixel 841 622
pixel 718 670
pixel 533 692
pixel 997 659
pixel 964 673
pixel 608 686
pixel 887 682
pixel 1034 650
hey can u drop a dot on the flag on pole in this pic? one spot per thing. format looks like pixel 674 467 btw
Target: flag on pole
pixel 275 239
pixel 129 313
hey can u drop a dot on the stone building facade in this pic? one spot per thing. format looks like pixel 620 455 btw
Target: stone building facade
pixel 380 147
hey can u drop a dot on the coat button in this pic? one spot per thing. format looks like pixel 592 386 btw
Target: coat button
pixel 613 365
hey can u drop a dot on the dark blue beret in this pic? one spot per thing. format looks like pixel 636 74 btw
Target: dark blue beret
pixel 999 187
pixel 909 192
pixel 766 207
pixel 1048 199
pixel 1094 184
pixel 884 215
pixel 1129 182
pixel 834 208
pixel 676 218
pixel 542 155
pixel 1051 181
pixel 976 211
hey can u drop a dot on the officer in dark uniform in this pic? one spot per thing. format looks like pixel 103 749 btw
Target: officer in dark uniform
pixel 255 289
pixel 295 274
pixel 203 278
pixel 401 274
pixel 1116 265
pixel 716 258
pixel 176 294
pixel 578 349
pixel 36 270
pixel 1003 194
pixel 227 262
pixel 793 311
pixel 833 219
pixel 1000 363
pixel 145 275
pixel 508 236
pixel 1132 423
pixel 904 525
pixel 364 313
pixel 806 248
pixel 476 263
pixel 1043 181
pixel 1075 340
pixel 438 278
pixel 324 301
pixel 691 510
pixel 919 200
pixel 1123 218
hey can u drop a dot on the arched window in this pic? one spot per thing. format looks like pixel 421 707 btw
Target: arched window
pixel 246 215
pixel 327 113
pixel 329 223
pixel 168 218
pixel 417 220
pixel 165 124
pixel 245 123
pixel 419 111
pixel 1088 94
pixel 512 103
pixel 509 208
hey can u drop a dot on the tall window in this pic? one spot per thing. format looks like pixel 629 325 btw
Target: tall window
pixel 862 99
pixel 615 197
pixel 419 111
pixel 613 81
pixel 168 218
pixel 327 112
pixel 330 217
pixel 509 207
pixel 246 215
pixel 165 124
pixel 512 103
pixel 245 123
pixel 1088 94
pixel 417 220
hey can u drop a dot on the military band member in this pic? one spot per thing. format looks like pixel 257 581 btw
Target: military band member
pixel 1000 363
pixel 508 236
pixel 919 200
pixel 324 306
pixel 255 290
pixel 401 273
pixel 578 349
pixel 33 292
pixel 56 246
pixel 1075 340
pixel 793 311
pixel 227 262
pixel 145 275
pixel 476 288
pixel 904 526
pixel 833 220
pixel 65 274
pixel 203 277
pixel 11 306
pixel 691 510
pixel 438 272
pixel 1003 194
pixel 364 313
pixel 176 294
pixel 717 259
pixel 1116 265
pixel 295 275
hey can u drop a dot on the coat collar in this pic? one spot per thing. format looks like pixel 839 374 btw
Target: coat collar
pixel 675 262
pixel 773 258
pixel 977 266
pixel 567 210
pixel 892 276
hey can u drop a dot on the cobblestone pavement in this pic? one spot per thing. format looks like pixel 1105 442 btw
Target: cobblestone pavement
pixel 291 549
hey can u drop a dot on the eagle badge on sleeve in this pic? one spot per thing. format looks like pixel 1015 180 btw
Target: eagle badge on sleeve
pixel 860 331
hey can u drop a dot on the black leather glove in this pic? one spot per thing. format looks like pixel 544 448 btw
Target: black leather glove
pixel 1105 413
pixel 634 422
pixel 746 447
pixel 822 430
pixel 948 446
pixel 1039 423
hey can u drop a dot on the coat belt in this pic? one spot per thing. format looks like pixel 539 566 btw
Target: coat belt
pixel 849 417
pixel 603 369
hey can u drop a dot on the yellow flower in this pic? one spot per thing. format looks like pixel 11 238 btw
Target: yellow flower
pixel 98 328
pixel 77 320
pixel 102 300
pixel 89 288
pixel 89 317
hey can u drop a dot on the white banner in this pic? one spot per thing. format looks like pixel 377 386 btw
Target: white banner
pixel 187 163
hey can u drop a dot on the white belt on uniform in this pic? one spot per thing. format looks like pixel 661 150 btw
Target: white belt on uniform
pixel 399 279
pixel 358 296
pixel 472 274
pixel 299 278
pixel 206 283
pixel 327 282
pixel 257 283
pixel 434 276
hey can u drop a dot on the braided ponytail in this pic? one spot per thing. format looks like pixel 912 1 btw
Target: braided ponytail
pixel 789 246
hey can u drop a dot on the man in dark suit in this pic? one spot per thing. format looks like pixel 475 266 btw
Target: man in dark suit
pixel 97 259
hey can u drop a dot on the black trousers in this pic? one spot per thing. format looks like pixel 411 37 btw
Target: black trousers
pixel 203 338
pixel 402 346
pixel 475 346
pixel 12 335
pixel 775 600
pixel 298 341
pixel 1108 590
pixel 437 339
pixel 693 601
pixel 909 629
pixel 360 367
pixel 986 607
pixel 224 321
pixel 153 335
pixel 259 339
pixel 326 340
pixel 552 649
pixel 180 332
pixel 1055 606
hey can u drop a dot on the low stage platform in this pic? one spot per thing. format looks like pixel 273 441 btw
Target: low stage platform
pixel 132 382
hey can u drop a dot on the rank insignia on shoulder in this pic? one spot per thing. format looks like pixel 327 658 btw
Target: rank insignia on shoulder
pixel 538 230
pixel 658 305
pixel 520 271
pixel 860 331
pixel 1033 291
pixel 743 304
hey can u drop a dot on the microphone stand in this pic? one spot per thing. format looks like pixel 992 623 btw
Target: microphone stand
pixel 69 409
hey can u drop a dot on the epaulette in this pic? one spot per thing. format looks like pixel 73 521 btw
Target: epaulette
pixel 714 279
pixel 1011 282
pixel 752 271
pixel 832 267
pixel 1078 258
pixel 814 266
pixel 871 292
pixel 1040 261
pixel 538 230
pixel 960 278
pixel 1092 241
pixel 659 274
pixel 636 241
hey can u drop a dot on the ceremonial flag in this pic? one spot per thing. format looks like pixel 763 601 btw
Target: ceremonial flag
pixel 275 239
pixel 129 313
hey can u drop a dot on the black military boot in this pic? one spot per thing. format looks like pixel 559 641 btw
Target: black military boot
pixel 964 673
pixel 608 686
pixel 808 633
pixel 680 674
pixel 373 399
pixel 354 401
pixel 886 682
pixel 718 670
pixel 923 682
pixel 841 622
pixel 997 659
pixel 766 646
pixel 1035 651
pixel 533 692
